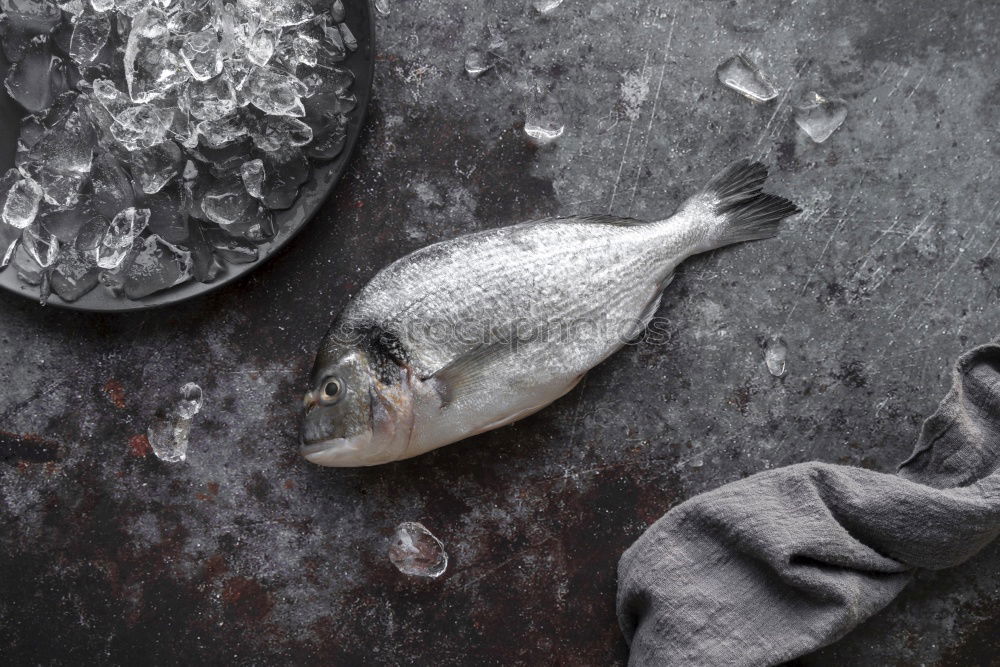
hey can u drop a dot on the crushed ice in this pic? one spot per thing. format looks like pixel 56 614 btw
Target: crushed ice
pixel 415 551
pixel 161 136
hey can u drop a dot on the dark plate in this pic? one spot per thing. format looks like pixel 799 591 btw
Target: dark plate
pixel 311 197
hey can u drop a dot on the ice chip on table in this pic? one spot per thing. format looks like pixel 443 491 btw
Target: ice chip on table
pixel 21 206
pixel 252 173
pixel 171 428
pixel 546 6
pixel 120 236
pixel 158 265
pixel 190 403
pixel 740 74
pixel 37 78
pixel 542 131
pixel 153 67
pixel 156 166
pixel 820 117
pixel 381 6
pixel 775 354
pixel 202 55
pixel 476 63
pixel 32 17
pixel 41 245
pixel 416 552
pixel 275 92
pixel 90 34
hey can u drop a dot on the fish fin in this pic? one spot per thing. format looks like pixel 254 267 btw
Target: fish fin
pixel 604 220
pixel 470 370
pixel 749 214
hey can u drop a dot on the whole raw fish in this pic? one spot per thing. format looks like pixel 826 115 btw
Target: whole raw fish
pixel 474 333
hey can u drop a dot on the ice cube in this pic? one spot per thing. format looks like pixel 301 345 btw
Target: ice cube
pixel 190 171
pixel 261 224
pixel 233 250
pixel 191 400
pixel 280 13
pixel 740 74
pixel 416 552
pixel 283 177
pixel 41 245
pixel 337 11
pixel 209 100
pixel 120 236
pixel 28 270
pixel 21 206
pixel 37 78
pixel 74 275
pixel 820 117
pixel 260 46
pixel 201 54
pixel 31 17
pixel 142 126
pixel 102 5
pixel 158 265
pixel 132 8
pixel 349 40
pixel 112 187
pixel 156 166
pixel 10 237
pixel 90 34
pixel 252 173
pixel 153 67
pixel 775 354
pixel 330 144
pixel 275 92
pixel 168 217
pixel 63 223
pixel 221 132
pixel 113 100
pixel 226 202
pixel 274 133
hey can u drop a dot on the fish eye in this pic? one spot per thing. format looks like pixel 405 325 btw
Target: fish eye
pixel 332 390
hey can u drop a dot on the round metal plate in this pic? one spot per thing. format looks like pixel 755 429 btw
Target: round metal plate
pixel 312 195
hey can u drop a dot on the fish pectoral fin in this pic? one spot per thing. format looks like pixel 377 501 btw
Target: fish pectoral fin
pixel 472 369
pixel 644 318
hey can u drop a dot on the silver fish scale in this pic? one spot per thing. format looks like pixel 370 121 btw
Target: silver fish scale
pixel 540 276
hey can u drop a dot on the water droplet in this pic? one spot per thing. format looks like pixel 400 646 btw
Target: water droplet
pixel 820 117
pixel 775 354
pixel 416 552
pixel 382 7
pixel 542 131
pixel 740 74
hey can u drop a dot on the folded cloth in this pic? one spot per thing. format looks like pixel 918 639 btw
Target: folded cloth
pixel 776 565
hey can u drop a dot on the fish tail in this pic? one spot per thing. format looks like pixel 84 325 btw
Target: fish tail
pixel 745 213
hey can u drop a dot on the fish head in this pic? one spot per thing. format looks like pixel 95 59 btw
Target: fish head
pixel 355 416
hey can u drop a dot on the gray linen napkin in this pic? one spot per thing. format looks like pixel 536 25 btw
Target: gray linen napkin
pixel 776 565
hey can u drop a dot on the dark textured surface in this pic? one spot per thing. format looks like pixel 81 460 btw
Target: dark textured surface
pixel 246 553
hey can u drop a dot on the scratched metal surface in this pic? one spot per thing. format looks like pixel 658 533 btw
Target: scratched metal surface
pixel 245 553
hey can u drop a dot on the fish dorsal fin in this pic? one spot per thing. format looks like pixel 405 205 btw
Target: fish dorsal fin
pixel 604 220
pixel 472 369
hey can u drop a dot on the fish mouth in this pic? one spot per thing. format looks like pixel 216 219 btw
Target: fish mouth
pixel 323 452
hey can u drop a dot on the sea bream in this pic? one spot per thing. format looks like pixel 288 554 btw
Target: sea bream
pixel 471 334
